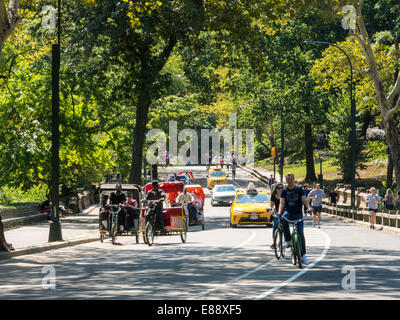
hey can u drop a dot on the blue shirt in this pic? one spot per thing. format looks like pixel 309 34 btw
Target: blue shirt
pixel 293 202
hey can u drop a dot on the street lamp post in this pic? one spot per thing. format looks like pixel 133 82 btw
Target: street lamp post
pixel 55 226
pixel 353 118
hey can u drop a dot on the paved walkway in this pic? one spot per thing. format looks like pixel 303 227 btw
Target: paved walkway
pixel 73 227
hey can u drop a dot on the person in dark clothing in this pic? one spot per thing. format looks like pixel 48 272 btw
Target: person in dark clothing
pixel 118 197
pixel 333 195
pixel 306 192
pixel 275 201
pixel 234 165
pixel 156 194
pixel 292 198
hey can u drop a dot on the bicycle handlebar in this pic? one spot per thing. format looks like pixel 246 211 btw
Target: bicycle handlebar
pixel 291 221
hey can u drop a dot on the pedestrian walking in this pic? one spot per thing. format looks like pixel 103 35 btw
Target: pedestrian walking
pixel 222 162
pixel 234 165
pixel 389 199
pixel 271 182
pixel 372 202
pixel 316 195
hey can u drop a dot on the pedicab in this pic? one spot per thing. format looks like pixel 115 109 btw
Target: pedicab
pixel 112 228
pixel 197 191
pixel 174 216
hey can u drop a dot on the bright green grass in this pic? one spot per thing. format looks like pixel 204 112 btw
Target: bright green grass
pixel 299 170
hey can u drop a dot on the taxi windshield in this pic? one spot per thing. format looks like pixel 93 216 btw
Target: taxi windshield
pixel 222 188
pixel 217 174
pixel 259 198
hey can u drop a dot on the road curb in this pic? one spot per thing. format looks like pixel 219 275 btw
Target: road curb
pixel 51 246
pixel 47 247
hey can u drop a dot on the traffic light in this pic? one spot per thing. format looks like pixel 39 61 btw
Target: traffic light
pixel 273 152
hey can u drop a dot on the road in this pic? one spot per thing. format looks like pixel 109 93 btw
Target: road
pixel 217 263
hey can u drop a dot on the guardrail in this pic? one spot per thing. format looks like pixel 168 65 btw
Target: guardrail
pixel 390 218
pixel 255 173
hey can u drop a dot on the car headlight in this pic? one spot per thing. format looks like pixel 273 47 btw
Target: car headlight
pixel 238 210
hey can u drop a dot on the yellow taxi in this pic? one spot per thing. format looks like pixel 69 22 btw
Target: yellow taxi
pixel 216 176
pixel 251 207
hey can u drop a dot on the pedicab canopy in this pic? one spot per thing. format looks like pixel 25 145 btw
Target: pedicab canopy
pixel 195 188
pixel 167 187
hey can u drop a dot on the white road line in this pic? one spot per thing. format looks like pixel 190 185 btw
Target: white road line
pixel 253 235
pixel 299 274
pixel 222 285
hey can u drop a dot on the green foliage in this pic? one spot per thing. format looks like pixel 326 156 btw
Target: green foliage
pixel 339 139
pixel 15 196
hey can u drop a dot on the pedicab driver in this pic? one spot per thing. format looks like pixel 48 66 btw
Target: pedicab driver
pixel 291 201
pixel 156 194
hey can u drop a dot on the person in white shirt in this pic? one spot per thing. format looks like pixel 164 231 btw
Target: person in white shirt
pixel 372 202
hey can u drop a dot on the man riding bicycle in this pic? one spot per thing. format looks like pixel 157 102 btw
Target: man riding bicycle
pixel 157 195
pixel 291 201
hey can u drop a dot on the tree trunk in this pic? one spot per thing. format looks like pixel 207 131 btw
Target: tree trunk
pixel 142 111
pixel 392 136
pixel 389 172
pixel 4 246
pixel 8 20
pixel 308 139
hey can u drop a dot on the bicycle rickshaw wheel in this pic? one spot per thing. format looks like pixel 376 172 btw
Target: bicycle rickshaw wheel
pixel 184 233
pixel 277 248
pixel 298 251
pixel 149 234
pixel 144 237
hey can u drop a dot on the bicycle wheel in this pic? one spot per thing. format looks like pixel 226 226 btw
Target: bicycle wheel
pixel 280 243
pixel 113 233
pixel 294 254
pixel 277 248
pixel 149 234
pixel 298 251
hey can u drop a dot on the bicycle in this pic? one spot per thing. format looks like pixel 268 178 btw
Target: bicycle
pixel 278 235
pixel 296 244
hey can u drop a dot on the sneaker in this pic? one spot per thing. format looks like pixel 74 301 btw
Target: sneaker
pixel 272 246
pixel 373 227
pixel 305 260
pixel 370 226
pixel 318 226
pixel 287 244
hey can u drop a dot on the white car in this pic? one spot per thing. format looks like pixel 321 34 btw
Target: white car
pixel 223 194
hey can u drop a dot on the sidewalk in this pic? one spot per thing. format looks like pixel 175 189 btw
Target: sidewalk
pixel 76 228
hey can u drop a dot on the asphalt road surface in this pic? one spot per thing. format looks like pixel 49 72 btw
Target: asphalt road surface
pixel 346 262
